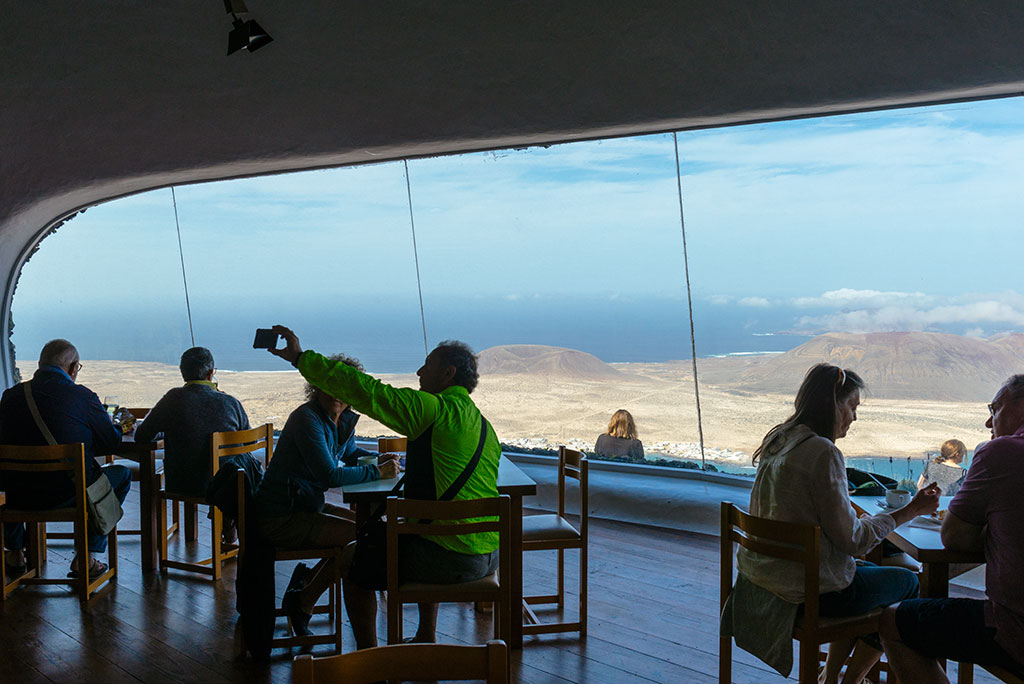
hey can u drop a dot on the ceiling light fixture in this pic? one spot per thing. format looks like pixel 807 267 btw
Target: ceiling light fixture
pixel 245 33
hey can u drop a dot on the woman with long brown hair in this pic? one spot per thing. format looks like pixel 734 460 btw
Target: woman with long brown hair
pixel 801 478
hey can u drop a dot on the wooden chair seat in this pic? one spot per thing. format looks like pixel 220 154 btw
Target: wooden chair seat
pixel 407 662
pixel 867 622
pixel 548 527
pixel 403 516
pixel 553 531
pixel 489 584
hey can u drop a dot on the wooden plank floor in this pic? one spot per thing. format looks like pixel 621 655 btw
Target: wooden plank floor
pixel 653 618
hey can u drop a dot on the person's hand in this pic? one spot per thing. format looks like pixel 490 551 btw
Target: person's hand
pixel 389 468
pixel 292 349
pixel 926 501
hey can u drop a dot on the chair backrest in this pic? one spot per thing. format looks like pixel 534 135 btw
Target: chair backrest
pixel 574 465
pixel 447 518
pixel 241 442
pixel 391 445
pixel 425 662
pixel 59 458
pixel 139 413
pixel 786 540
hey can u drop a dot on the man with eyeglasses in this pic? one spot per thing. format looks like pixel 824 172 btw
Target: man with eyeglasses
pixel 72 413
pixel 986 514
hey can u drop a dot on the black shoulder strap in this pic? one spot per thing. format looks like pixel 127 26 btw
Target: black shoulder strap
pixel 467 472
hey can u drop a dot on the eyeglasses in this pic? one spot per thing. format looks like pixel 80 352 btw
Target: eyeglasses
pixel 76 367
pixel 992 409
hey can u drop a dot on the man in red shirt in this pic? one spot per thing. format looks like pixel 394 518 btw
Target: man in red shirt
pixel 986 514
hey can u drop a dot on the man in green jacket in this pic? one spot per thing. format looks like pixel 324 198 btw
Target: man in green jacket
pixel 444 428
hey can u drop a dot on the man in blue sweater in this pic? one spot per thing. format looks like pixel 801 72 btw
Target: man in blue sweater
pixel 72 413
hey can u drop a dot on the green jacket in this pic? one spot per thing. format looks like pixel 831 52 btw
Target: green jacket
pixel 443 429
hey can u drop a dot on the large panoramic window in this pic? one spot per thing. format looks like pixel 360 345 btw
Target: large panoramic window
pixel 883 242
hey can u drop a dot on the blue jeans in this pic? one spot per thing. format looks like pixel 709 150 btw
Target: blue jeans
pixel 872 587
pixel 120 481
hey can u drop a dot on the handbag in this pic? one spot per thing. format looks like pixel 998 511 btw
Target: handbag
pixel 101 504
pixel 371 551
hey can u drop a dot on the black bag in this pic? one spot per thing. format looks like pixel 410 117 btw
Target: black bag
pixel 304 496
pixel 371 554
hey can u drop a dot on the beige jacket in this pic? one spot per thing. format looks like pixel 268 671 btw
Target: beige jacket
pixel 805 482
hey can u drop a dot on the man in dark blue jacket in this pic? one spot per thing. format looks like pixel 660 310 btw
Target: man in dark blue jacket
pixel 73 413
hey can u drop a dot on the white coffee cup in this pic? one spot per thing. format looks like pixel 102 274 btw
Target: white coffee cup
pixel 367 460
pixel 897 498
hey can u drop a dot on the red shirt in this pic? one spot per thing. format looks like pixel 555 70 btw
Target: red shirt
pixel 991 497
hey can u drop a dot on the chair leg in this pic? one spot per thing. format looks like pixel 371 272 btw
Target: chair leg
pixel 217 551
pixel 191 522
pixel 163 535
pixel 561 578
pixel 724 660
pixel 394 620
pixel 583 590
pixel 82 552
pixel 112 552
pixel 808 663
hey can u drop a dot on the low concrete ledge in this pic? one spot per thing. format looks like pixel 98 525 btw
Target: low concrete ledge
pixel 673 498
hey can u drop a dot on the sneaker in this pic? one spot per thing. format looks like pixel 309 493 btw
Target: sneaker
pixel 14 563
pixel 298 621
pixel 298 580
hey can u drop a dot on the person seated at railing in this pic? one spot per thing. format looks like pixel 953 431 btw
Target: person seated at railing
pixel 316 451
pixel 945 469
pixel 187 416
pixel 801 478
pixel 71 413
pixel 621 440
pixel 453 453
pixel 985 515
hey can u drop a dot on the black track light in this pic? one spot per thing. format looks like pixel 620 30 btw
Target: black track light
pixel 245 33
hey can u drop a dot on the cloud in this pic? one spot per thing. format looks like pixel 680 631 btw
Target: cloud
pixel 847 298
pixel 897 312
pixel 755 302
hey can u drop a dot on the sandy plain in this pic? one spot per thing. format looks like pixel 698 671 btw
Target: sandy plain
pixel 558 407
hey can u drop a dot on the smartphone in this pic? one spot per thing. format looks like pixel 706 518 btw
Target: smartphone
pixel 265 339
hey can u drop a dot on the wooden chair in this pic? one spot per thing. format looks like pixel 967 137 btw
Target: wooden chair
pixel 554 531
pixel 966 674
pixel 800 544
pixel 61 458
pixel 444 514
pixel 221 444
pixel 402 662
pixel 392 445
pixel 332 607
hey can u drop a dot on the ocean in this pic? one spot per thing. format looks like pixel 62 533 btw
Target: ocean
pixel 387 336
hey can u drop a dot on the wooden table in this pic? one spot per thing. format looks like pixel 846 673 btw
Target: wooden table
pixel 511 481
pixel 144 453
pixel 924 544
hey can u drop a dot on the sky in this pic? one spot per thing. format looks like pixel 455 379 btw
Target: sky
pixel 898 220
